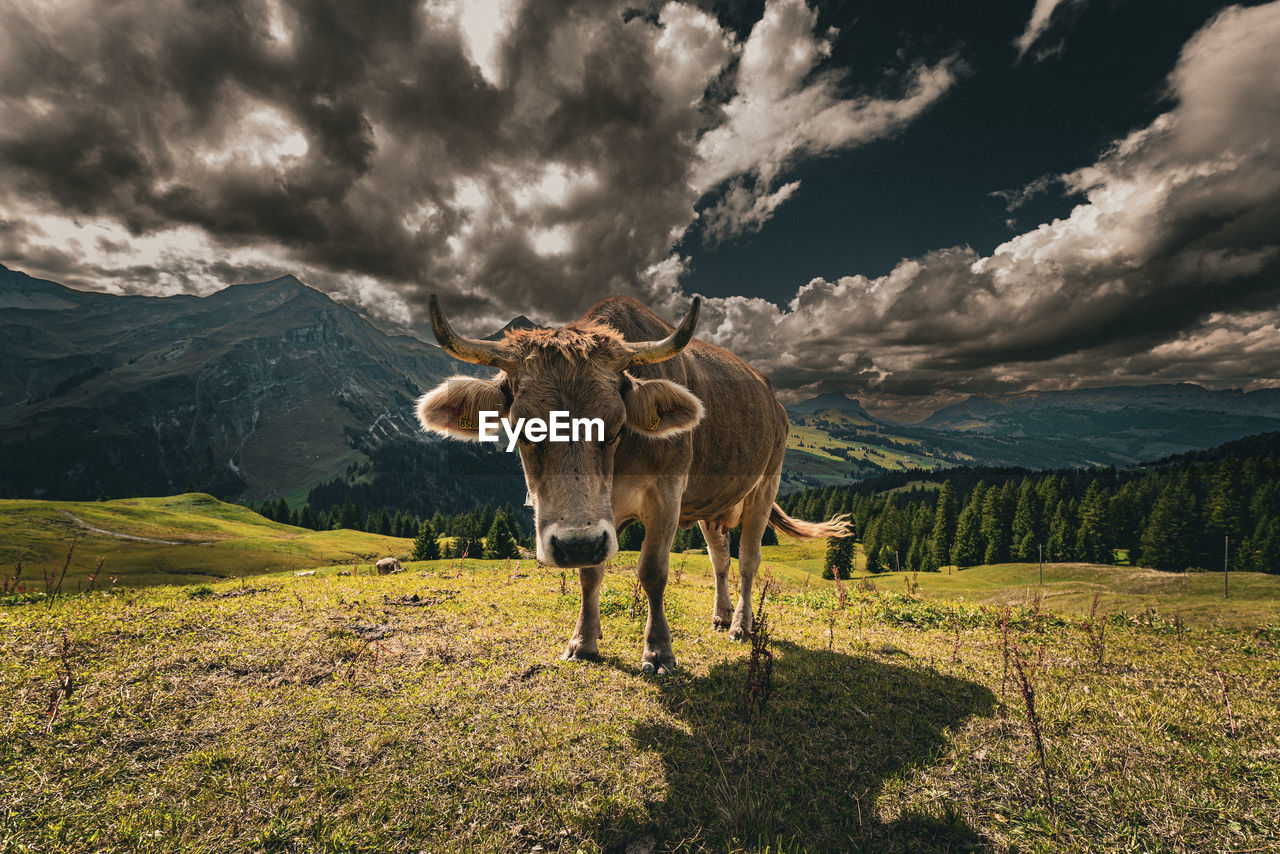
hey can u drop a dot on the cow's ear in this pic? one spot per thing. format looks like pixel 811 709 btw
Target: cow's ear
pixel 453 407
pixel 659 407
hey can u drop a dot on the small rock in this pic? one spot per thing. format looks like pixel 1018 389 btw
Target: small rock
pixel 388 565
pixel 890 650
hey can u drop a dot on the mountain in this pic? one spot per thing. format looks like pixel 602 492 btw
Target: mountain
pixel 518 322
pixel 1122 424
pixel 835 402
pixel 254 391
pixel 835 442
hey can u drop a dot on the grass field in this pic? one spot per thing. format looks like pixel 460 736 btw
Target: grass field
pixel 341 714
pixel 202 539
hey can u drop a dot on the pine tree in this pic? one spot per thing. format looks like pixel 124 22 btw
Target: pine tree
pixel 1025 535
pixel 1261 552
pixel 967 550
pixel 1093 531
pixel 916 555
pixel 839 562
pixel 995 527
pixel 425 544
pixel 1061 545
pixel 484 518
pixel 1226 507
pixel 631 538
pixel 944 526
pixel 871 548
pixel 1167 539
pixel 349 516
pixel 466 541
pixel 500 542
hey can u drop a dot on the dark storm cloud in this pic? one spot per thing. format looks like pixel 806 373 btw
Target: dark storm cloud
pixel 529 161
pixel 324 136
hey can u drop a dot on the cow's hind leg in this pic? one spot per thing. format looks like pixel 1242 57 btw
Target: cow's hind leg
pixel 718 550
pixel 583 644
pixel 755 516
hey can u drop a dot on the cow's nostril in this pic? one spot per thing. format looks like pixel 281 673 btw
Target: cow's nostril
pixel 557 551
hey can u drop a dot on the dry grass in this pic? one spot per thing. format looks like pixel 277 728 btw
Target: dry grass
pixel 340 713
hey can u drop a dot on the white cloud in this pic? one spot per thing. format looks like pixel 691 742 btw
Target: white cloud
pixel 784 109
pixel 689 54
pixel 555 240
pixel 743 210
pixel 484 25
pixel 1041 15
pixel 260 136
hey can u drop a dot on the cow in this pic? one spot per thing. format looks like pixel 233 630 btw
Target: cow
pixel 387 566
pixel 692 434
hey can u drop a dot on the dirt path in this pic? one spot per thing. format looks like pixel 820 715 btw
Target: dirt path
pixel 83 524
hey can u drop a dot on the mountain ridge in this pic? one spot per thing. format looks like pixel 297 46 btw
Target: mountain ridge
pixel 253 391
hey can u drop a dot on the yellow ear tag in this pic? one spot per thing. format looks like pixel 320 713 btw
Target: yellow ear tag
pixel 657 419
pixel 465 422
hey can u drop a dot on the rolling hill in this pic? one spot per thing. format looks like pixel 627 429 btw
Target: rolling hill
pixel 176 539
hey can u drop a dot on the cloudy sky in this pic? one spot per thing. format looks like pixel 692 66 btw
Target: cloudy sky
pixel 909 201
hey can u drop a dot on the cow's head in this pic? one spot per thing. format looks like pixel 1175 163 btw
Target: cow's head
pixel 581 368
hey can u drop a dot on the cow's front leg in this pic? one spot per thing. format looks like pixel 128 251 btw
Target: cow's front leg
pixel 583 644
pixel 654 557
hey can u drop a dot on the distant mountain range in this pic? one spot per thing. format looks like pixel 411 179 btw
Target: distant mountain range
pixel 273 389
pixel 255 391
pixel 835 440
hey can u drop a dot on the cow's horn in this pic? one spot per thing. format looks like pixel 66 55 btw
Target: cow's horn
pixel 464 349
pixel 648 352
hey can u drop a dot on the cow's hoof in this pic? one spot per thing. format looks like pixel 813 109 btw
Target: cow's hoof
pixel 659 665
pixel 649 668
pixel 736 633
pixel 721 624
pixel 576 652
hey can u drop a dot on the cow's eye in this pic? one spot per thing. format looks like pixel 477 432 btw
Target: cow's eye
pixel 611 441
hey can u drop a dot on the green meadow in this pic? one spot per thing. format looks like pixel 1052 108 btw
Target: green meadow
pixel 175 539
pixel 429 711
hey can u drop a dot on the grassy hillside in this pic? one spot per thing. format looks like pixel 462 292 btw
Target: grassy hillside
pixel 429 711
pixel 179 538
pixel 1196 597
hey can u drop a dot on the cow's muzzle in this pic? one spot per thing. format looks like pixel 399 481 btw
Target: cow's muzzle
pixel 577 547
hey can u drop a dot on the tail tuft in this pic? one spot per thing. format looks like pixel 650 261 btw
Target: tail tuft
pixel 798 529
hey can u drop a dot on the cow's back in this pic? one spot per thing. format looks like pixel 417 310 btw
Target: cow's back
pixel 742 436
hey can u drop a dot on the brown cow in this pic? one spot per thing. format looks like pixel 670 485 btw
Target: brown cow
pixel 666 459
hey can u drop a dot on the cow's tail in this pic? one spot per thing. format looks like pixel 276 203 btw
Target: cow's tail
pixel 798 529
